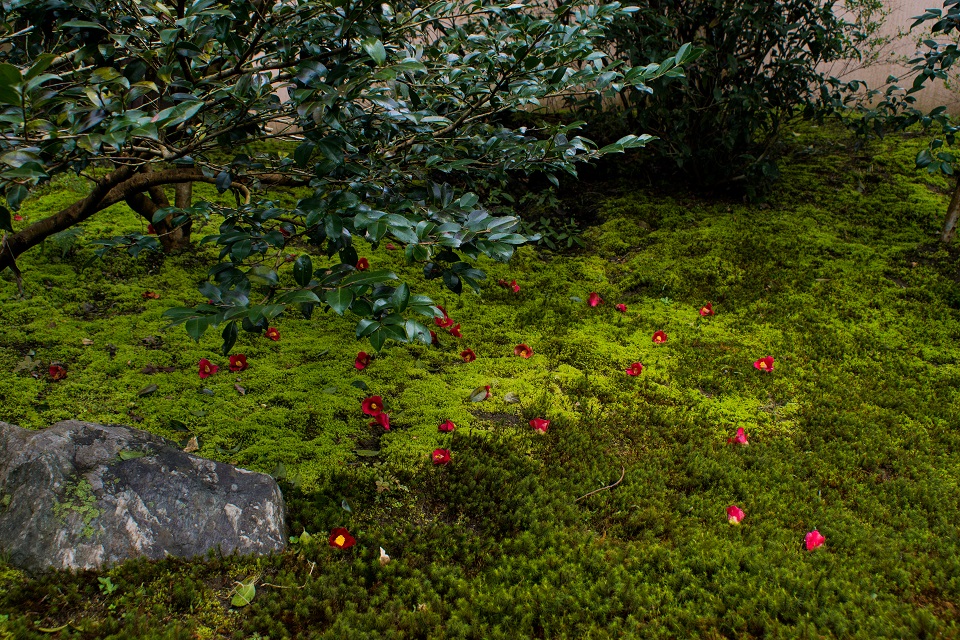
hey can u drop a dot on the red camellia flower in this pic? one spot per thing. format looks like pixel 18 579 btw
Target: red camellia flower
pixel 382 419
pixel 764 364
pixel 522 350
pixel 515 286
pixel 151 230
pixel 740 438
pixel 468 355
pixel 706 310
pixel 238 363
pixel 594 299
pixel 659 337
pixel 441 456
pixel 340 538
pixel 273 334
pixel 207 368
pixel 362 264
pixel 622 308
pixel 391 246
pixel 540 425
pixel 447 427
pixel 372 406
pixel 17 217
pixel 434 340
pixel 814 539
pixel 502 283
pixel 734 514
pixel 445 321
pixel 455 331
pixel 635 369
pixel 57 372
pixel 362 361
pixel 150 295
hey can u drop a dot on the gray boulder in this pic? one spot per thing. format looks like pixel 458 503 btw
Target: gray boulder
pixel 80 495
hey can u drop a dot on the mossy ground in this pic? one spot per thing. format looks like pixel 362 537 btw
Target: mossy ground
pixel 854 433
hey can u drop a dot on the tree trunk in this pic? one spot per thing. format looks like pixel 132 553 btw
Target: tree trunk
pixel 953 213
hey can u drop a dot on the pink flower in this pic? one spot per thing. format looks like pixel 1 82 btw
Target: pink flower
pixel 383 420
pixel 706 310
pixel 814 539
pixel 207 369
pixel 447 427
pixel 740 438
pixel 659 337
pixel 622 308
pixel 238 363
pixel 635 369
pixel 522 350
pixel 594 299
pixel 455 331
pixel 515 286
pixel 273 334
pixel 734 514
pixel 362 361
pixel 764 364
pixel 372 406
pixel 362 264
pixel 441 456
pixel 540 425
pixel 468 355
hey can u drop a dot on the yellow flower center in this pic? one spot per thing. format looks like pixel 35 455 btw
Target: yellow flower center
pixel 340 540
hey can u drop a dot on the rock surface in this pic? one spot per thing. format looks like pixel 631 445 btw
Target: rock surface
pixel 80 495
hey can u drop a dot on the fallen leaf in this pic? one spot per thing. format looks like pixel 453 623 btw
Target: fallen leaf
pixel 384 558
pixel 192 445
pixel 511 398
pixel 245 592
pixel 479 394
pixel 359 384
pixel 239 389
pixel 147 390
pixel 151 369
pixel 345 506
pixel 86 342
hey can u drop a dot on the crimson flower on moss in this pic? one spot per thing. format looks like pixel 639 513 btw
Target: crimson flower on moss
pixel 540 425
pixel 372 406
pixel 340 538
pixel 363 264
pixel 151 230
pixel 635 369
pixel 764 364
pixel 814 539
pixel 17 217
pixel 740 438
pixel 622 308
pixel 238 363
pixel 441 456
pixel 445 321
pixel 706 310
pixel 382 419
pixel 468 355
pixel 594 299
pixel 57 372
pixel 734 514
pixel 455 331
pixel 522 350
pixel 659 337
pixel 447 427
pixel 207 368
pixel 273 334
pixel 434 340
pixel 362 361
pixel 515 286
pixel 150 295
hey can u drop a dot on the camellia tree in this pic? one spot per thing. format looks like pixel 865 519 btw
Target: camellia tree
pixel 383 105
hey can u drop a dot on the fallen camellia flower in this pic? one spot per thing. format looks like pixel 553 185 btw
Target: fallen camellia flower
pixel 522 350
pixel 515 286
pixel 706 310
pixel 622 308
pixel 740 438
pixel 434 340
pixel 372 406
pixel 273 334
pixel 238 363
pixel 363 264
pixel 455 331
pixel 635 369
pixel 57 372
pixel 382 419
pixel 151 230
pixel 17 217
pixel 441 456
pixel 445 321
pixel 207 368
pixel 362 361
pixel 594 299
pixel 814 539
pixel 340 538
pixel 540 425
pixel 659 337
pixel 734 514
pixel 150 295
pixel 447 427
pixel 764 364
pixel 468 355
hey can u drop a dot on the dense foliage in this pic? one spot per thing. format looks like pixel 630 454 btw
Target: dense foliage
pixel 762 66
pixel 386 103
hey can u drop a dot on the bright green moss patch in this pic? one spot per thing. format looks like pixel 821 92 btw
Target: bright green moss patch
pixel 853 433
